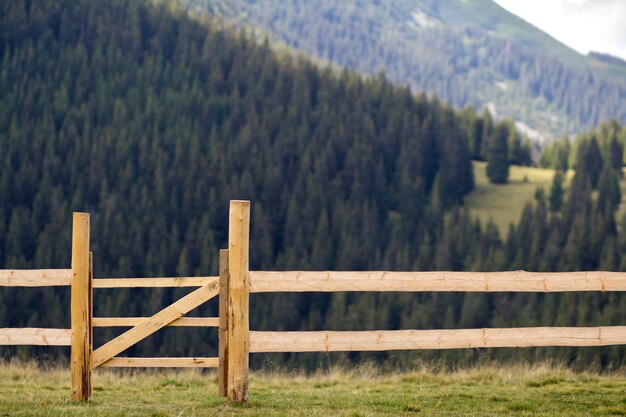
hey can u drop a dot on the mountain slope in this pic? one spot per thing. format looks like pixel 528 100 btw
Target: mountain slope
pixel 151 121
pixel 468 52
pixel 498 22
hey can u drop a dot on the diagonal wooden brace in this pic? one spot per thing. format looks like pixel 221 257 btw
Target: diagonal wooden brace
pixel 154 323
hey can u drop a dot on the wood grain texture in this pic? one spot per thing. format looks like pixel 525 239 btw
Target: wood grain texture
pixel 35 336
pixel 152 282
pixel 120 362
pixel 222 372
pixel 134 321
pixel 154 323
pixel 329 341
pixel 513 281
pixel 80 311
pixel 238 298
pixel 35 277
pixel 90 321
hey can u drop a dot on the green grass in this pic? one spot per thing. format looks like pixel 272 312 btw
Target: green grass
pixel 488 391
pixel 504 203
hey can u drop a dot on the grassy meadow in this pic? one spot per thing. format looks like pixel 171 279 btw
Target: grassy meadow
pixel 504 202
pixel 26 390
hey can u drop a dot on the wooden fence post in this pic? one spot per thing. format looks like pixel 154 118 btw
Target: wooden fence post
pixel 222 372
pixel 238 343
pixel 80 308
pixel 90 320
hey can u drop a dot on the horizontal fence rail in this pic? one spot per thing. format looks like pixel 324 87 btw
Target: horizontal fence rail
pixel 134 321
pixel 35 277
pixel 35 337
pixel 122 362
pixel 509 281
pixel 377 340
pixel 152 282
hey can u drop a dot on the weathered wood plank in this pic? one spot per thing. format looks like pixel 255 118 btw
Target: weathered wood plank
pixel 222 372
pixel 133 321
pixel 35 336
pixel 513 281
pixel 121 362
pixel 238 298
pixel 80 357
pixel 90 321
pixel 152 282
pixel 35 277
pixel 329 341
pixel 154 323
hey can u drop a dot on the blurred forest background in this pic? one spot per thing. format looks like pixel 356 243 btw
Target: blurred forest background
pixel 152 119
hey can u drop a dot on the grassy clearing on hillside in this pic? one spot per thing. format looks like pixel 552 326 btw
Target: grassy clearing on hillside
pixel 504 203
pixel 508 391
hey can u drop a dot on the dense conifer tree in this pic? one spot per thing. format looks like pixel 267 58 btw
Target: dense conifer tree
pixel 498 156
pixel 557 192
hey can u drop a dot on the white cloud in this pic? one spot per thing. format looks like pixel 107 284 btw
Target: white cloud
pixel 584 25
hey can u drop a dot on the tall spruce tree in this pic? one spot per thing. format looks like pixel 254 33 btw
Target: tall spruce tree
pixel 616 155
pixel 498 156
pixel 557 192
pixel 589 161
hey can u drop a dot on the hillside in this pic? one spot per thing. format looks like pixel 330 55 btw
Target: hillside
pixel 537 391
pixel 504 203
pixel 467 52
pixel 151 120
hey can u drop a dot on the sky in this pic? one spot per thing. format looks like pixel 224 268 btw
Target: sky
pixel 584 25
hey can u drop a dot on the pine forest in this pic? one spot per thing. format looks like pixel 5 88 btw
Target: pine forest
pixel 152 119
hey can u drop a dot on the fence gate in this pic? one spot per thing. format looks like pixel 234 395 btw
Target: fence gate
pixel 142 327
pixel 84 358
pixel 172 315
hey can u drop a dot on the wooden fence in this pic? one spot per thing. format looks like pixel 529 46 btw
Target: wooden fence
pixel 236 282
